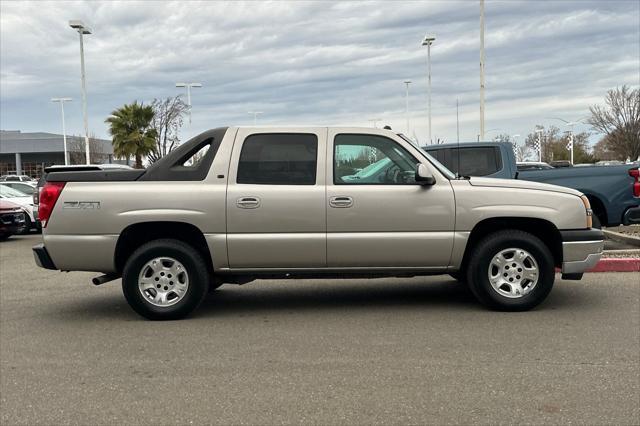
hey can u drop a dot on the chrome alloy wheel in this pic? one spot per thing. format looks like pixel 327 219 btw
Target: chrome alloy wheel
pixel 163 281
pixel 513 273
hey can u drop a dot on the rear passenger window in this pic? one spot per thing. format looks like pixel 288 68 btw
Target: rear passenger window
pixel 481 161
pixel 279 159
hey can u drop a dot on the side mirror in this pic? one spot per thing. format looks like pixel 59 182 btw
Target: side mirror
pixel 423 177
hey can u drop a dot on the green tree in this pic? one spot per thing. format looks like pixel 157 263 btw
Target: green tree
pixel 131 131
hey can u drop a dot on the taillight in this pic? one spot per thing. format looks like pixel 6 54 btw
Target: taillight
pixel 635 173
pixel 49 194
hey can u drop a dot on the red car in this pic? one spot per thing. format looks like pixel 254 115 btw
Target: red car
pixel 12 219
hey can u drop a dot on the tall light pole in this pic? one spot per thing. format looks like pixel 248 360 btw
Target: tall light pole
pixel 569 124
pixel 482 69
pixel 515 145
pixel 428 41
pixel 64 130
pixel 255 116
pixel 539 144
pixel 406 103
pixel 82 30
pixel 189 86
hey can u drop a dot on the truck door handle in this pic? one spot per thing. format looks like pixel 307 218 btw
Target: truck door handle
pixel 341 202
pixel 248 202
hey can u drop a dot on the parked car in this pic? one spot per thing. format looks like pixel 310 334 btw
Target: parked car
pixel 235 204
pixel 560 163
pixel 27 188
pixel 16 178
pixel 12 219
pixel 24 201
pixel 613 191
pixel 532 165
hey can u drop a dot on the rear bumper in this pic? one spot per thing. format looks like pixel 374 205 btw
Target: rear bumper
pixel 42 257
pixel 631 216
pixel 581 250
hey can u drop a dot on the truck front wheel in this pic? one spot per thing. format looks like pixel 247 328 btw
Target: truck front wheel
pixel 165 280
pixel 511 270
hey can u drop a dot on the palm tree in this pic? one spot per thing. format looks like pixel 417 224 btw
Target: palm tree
pixel 131 131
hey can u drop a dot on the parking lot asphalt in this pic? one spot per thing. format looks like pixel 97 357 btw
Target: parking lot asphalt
pixel 413 350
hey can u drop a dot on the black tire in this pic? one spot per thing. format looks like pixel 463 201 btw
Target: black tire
pixel 480 260
pixel 194 265
pixel 27 225
pixel 458 276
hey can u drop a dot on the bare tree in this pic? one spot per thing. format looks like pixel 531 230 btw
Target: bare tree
pixel 76 149
pixel 503 137
pixel 619 121
pixel 167 119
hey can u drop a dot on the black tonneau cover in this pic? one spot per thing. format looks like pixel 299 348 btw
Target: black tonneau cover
pixel 169 168
pixel 94 175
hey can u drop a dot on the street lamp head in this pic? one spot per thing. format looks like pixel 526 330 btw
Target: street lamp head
pixel 196 85
pixel 181 84
pixel 428 39
pixel 60 99
pixel 407 81
pixel 79 26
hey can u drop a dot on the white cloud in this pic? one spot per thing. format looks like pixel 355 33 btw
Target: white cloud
pixel 318 62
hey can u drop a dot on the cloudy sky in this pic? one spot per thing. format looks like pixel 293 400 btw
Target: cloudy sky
pixel 318 62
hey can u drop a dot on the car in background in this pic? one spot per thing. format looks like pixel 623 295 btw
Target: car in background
pixel 532 165
pixel 609 163
pixel 16 178
pixel 560 163
pixel 28 188
pixel 12 219
pixel 73 168
pixel 613 190
pixel 25 202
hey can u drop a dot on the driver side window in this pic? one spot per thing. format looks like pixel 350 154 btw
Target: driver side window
pixel 371 160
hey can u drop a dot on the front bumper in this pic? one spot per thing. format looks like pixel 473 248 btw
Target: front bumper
pixel 581 250
pixel 12 223
pixel 42 257
pixel 631 216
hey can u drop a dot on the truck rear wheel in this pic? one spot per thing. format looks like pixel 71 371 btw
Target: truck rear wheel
pixel 165 280
pixel 511 270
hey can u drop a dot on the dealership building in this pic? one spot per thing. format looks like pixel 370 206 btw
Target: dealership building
pixel 30 153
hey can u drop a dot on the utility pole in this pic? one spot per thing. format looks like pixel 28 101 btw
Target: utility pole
pixel 64 130
pixel 406 106
pixel 82 30
pixel 482 69
pixel 428 41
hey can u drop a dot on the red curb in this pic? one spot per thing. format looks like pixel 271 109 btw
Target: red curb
pixel 617 264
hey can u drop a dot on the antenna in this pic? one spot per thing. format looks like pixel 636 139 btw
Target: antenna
pixel 458 137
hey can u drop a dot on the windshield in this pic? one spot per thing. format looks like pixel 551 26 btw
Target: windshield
pixel 7 192
pixel 442 169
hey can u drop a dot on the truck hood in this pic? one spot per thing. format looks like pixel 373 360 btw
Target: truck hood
pixel 521 184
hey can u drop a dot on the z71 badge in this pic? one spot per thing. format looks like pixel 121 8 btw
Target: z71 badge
pixel 81 205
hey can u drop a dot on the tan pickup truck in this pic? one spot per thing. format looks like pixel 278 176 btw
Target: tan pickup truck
pixel 236 204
